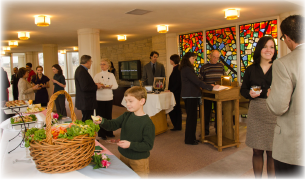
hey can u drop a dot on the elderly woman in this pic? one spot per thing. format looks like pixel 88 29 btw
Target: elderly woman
pixel 104 95
pixel 26 91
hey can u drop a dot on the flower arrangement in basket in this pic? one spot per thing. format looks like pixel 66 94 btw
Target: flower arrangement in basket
pixel 70 149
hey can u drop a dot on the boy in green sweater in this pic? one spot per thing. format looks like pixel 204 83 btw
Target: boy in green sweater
pixel 137 131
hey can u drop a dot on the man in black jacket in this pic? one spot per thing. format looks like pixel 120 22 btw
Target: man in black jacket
pixel 14 82
pixel 4 84
pixel 85 99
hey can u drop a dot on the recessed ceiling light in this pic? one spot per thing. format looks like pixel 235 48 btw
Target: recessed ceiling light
pixel 138 12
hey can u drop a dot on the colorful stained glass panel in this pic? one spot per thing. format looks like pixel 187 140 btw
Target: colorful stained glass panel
pixel 224 40
pixel 192 42
pixel 249 35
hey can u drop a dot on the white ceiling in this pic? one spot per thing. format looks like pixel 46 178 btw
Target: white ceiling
pixel 110 17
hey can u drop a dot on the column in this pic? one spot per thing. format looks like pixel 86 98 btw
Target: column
pixel 21 60
pixel 171 48
pixel 31 57
pixel 89 44
pixel 50 57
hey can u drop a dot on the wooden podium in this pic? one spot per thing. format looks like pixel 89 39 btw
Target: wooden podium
pixel 227 133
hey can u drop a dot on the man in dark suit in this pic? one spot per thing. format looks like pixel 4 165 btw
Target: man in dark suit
pixel 85 99
pixel 14 82
pixel 152 69
pixel 4 84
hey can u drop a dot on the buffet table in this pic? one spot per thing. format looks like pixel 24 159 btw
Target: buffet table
pixel 27 170
pixel 156 107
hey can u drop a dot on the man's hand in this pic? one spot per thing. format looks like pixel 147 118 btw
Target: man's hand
pixel 253 94
pixel 268 92
pixel 215 87
pixel 124 144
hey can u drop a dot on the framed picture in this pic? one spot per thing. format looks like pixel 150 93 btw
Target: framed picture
pixel 159 83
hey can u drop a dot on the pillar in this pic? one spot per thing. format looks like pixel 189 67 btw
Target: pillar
pixel 89 44
pixel 32 57
pixel 50 57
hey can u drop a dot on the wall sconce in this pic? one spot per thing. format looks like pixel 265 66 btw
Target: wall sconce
pixel 162 28
pixel 75 48
pixel 2 52
pixel 42 20
pixel 23 35
pixel 13 43
pixel 6 48
pixel 122 38
pixel 62 51
pixel 226 80
pixel 231 14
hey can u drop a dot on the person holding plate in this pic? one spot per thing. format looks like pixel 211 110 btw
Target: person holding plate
pixel 26 91
pixel 260 122
pixel 41 96
pixel 104 95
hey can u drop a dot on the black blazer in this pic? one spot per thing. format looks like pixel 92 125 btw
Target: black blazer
pixel 174 84
pixel 14 82
pixel 85 98
pixel 191 83
pixel 4 84
pixel 148 77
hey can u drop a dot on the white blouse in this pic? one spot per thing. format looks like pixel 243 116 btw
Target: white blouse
pixel 106 78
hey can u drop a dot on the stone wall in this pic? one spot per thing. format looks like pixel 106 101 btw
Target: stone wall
pixel 159 45
pixel 138 50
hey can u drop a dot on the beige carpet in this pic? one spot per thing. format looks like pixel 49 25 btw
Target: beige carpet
pixel 171 158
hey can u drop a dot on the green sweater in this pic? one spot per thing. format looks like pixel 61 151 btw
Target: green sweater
pixel 138 130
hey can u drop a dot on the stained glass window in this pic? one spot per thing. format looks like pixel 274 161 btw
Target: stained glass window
pixel 249 35
pixel 224 40
pixel 192 42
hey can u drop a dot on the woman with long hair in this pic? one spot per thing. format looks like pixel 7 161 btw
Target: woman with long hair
pixel 59 83
pixel 191 94
pixel 260 122
pixel 41 96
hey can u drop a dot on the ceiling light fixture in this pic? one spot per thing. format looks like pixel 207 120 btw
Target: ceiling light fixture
pixel 162 28
pixel 23 35
pixel 42 20
pixel 62 51
pixel 75 48
pixel 122 38
pixel 2 52
pixel 6 48
pixel 231 14
pixel 13 43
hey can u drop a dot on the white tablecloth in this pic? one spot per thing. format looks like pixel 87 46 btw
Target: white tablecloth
pixel 23 170
pixel 157 102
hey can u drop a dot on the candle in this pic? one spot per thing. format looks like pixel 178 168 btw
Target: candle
pixel 94 113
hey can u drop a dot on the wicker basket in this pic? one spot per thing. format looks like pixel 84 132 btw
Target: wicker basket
pixel 61 155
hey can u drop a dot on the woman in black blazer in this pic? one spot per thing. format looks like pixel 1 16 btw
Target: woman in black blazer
pixel 191 94
pixel 174 86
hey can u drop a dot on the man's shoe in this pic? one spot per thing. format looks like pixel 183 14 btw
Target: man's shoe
pixel 175 129
pixel 194 143
pixel 104 138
